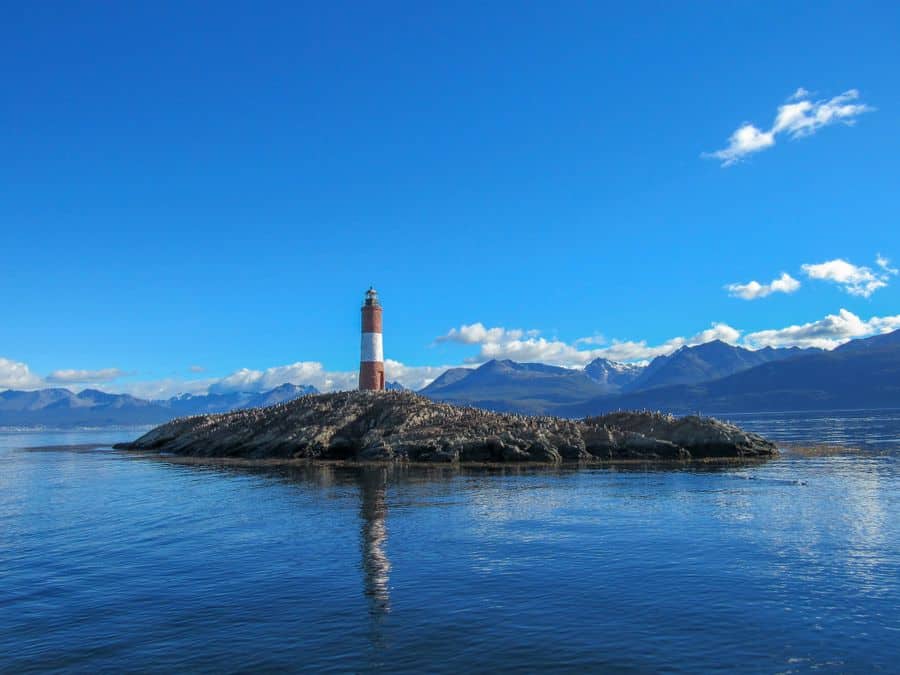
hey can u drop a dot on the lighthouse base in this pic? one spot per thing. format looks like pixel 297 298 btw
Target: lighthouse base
pixel 371 376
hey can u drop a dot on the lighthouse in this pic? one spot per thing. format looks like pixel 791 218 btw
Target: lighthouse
pixel 371 357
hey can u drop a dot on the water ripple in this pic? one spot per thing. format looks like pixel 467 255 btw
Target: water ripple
pixel 109 562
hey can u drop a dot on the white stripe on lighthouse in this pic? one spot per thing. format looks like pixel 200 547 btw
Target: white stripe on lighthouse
pixel 371 349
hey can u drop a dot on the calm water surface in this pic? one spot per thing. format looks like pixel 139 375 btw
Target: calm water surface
pixel 863 429
pixel 110 562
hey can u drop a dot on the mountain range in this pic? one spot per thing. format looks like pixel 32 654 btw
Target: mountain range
pixel 862 374
pixel 538 388
pixel 709 361
pixel 714 377
pixel 63 408
pixel 511 386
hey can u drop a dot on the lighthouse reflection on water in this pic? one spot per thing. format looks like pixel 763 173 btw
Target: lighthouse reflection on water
pixel 370 483
pixel 373 512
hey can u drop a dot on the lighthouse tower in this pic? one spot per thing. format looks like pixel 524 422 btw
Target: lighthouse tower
pixel 371 358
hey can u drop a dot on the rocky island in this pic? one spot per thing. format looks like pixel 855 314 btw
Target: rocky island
pixel 403 426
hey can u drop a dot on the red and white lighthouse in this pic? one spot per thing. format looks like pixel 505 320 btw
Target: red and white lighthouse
pixel 371 358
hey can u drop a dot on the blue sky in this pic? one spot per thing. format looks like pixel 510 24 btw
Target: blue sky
pixel 192 191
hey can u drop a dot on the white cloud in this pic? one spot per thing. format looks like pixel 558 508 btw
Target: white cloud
pixel 498 343
pixel 753 290
pixel 197 369
pixel 828 333
pixel 477 333
pixel 314 373
pixel 72 376
pixel 515 344
pixel 855 280
pixel 532 349
pixel 411 377
pixel 639 351
pixel 592 340
pixel 800 117
pixel 885 264
pixel 162 389
pixel 806 117
pixel 746 140
pixel 17 375
pixel 302 372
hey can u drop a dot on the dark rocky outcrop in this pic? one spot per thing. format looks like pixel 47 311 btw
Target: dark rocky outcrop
pixel 702 436
pixel 401 425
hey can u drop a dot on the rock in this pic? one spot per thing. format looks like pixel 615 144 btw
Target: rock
pixel 638 446
pixel 403 426
pixel 542 451
pixel 702 437
pixel 377 453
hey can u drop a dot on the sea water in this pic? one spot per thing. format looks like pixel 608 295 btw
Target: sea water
pixel 110 561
